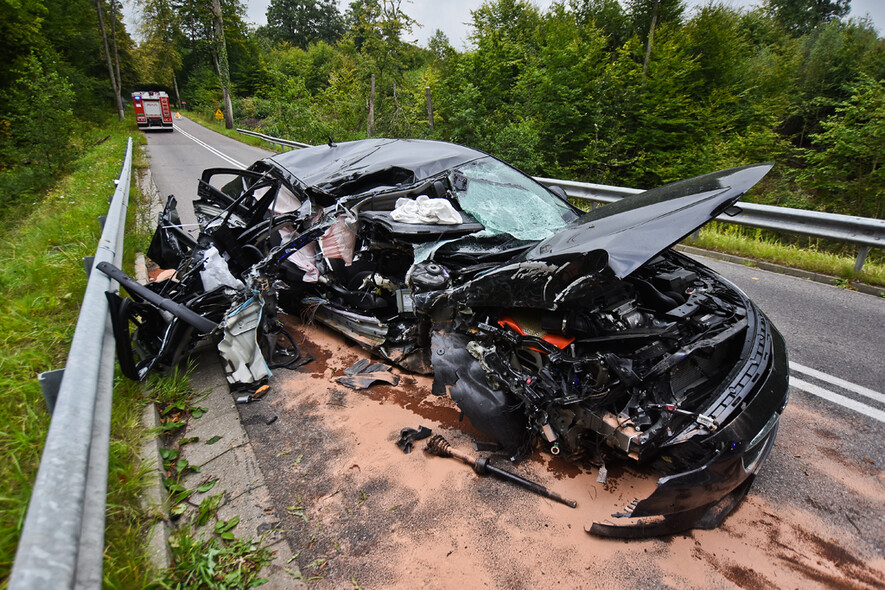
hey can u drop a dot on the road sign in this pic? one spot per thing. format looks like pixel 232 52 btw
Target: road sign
pixel 219 114
pixel 177 115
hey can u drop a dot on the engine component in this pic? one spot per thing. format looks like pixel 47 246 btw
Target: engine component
pixel 441 447
pixel 429 276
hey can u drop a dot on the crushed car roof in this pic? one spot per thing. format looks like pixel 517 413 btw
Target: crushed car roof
pixel 403 161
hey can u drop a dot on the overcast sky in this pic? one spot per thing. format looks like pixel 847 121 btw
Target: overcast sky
pixel 452 16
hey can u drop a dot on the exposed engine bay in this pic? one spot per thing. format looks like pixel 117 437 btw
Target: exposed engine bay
pixel 627 366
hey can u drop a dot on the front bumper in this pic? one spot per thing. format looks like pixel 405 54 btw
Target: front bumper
pixel 701 497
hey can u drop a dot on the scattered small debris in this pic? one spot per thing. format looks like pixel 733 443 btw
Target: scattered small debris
pixel 408 436
pixel 259 393
pixel 602 476
pixel 363 374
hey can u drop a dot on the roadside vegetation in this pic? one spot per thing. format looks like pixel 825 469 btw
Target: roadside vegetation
pixel 809 254
pixel 44 241
pixel 206 553
pixel 45 238
pixel 634 93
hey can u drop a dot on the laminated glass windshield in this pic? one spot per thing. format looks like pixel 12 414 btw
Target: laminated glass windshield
pixel 506 201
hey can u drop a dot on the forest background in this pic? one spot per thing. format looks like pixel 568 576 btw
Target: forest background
pixel 634 94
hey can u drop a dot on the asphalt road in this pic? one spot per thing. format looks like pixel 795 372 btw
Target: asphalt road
pixel 834 330
pixel 827 461
pixel 179 158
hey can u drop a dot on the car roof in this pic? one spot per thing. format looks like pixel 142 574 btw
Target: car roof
pixel 404 161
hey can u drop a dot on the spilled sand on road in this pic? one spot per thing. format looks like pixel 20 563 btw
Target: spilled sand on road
pixel 358 511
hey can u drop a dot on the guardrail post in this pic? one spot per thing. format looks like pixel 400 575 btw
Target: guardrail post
pixel 861 257
pixel 50 381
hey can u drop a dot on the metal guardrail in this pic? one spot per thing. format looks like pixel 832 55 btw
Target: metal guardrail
pixel 62 542
pixel 864 231
pixel 274 140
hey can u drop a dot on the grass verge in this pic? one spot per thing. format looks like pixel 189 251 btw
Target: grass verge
pixel 756 245
pixel 43 282
pixel 206 553
pixel 42 279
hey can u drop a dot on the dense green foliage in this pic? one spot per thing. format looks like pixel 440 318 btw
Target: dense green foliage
pixel 634 93
pixel 53 78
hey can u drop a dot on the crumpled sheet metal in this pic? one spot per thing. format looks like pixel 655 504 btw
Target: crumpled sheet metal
pixel 243 361
pixel 364 373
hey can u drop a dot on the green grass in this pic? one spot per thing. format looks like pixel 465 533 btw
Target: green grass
pixel 42 281
pixel 811 257
pixel 214 563
pixel 206 553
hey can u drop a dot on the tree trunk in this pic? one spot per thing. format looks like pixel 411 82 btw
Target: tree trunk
pixel 107 55
pixel 223 68
pixel 651 36
pixel 177 97
pixel 429 106
pixel 119 87
pixel 370 126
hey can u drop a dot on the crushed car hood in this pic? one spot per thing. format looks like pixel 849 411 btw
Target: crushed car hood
pixel 346 168
pixel 634 230
pixel 621 236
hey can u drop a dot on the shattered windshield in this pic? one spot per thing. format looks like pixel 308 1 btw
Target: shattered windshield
pixel 506 201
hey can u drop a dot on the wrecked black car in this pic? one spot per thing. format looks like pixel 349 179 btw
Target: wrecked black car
pixel 581 333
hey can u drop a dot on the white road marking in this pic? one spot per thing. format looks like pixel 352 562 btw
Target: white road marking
pixel 836 398
pixel 221 155
pixel 846 385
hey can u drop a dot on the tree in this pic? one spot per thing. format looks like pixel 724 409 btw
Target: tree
pixel 799 17
pixel 114 76
pixel 646 15
pixel 605 15
pixel 221 63
pixel 850 150
pixel 439 45
pixel 161 29
pixel 302 22
pixel 40 112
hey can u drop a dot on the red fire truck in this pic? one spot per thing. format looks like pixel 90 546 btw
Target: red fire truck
pixel 152 110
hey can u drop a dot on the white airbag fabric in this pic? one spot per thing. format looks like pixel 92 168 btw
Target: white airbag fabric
pixel 426 211
pixel 215 272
